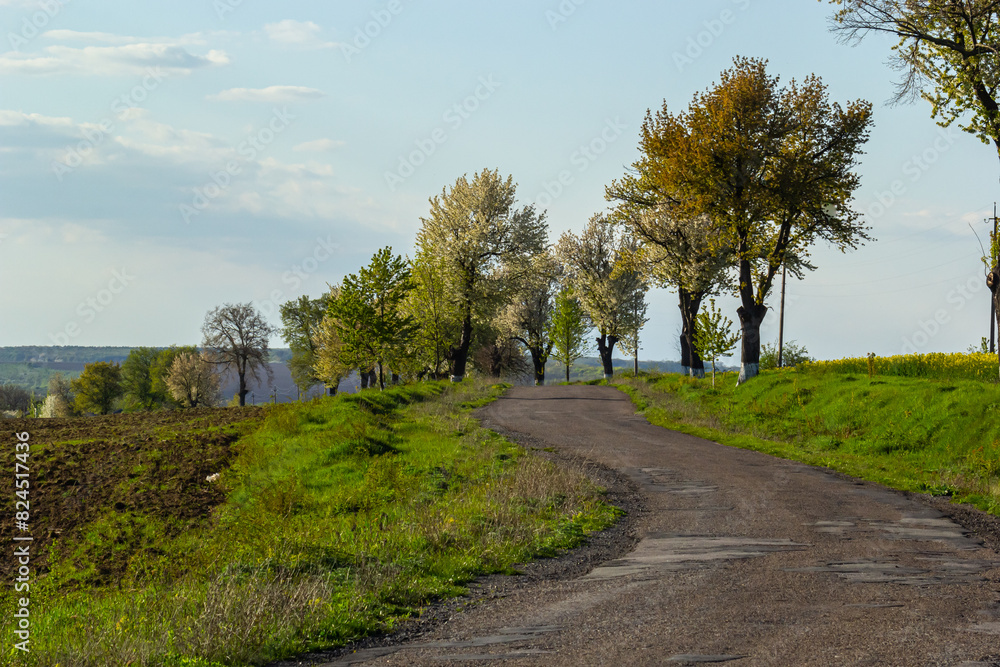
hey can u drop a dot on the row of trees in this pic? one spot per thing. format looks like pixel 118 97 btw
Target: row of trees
pixel 148 379
pixel 485 286
pixel 724 196
pixel 236 338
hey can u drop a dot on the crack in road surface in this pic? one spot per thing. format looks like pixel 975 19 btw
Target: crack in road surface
pixel 743 559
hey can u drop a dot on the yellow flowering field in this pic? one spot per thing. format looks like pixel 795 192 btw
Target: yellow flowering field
pixel 943 365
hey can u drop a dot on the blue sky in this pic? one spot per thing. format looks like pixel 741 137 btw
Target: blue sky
pixel 156 163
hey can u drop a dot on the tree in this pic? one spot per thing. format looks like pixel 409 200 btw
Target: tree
pixel 159 369
pixel 301 319
pixel 610 288
pixel 569 329
pixel 949 54
pixel 713 335
pixel 15 398
pixel 98 386
pixel 137 379
pixel 236 339
pixel 437 318
pixel 328 361
pixel 792 354
pixel 528 318
pixel 676 252
pixel 193 381
pixel 772 169
pixel 60 400
pixel 483 243
pixel 368 313
pixel 501 357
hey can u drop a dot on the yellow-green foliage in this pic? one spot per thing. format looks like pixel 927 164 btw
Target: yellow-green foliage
pixel 940 365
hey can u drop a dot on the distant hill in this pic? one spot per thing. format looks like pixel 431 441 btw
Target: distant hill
pixel 32 366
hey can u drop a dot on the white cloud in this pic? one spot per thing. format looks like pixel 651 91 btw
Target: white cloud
pixel 110 38
pixel 271 94
pixel 319 145
pixel 110 60
pixel 304 34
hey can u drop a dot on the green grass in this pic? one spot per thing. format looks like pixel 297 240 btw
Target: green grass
pixel 914 434
pixel 344 517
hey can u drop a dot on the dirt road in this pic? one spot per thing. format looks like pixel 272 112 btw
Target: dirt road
pixel 743 559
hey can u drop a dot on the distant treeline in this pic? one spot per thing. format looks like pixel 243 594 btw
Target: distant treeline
pixel 75 354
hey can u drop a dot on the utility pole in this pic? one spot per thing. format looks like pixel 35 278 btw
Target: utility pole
pixel 781 318
pixel 993 262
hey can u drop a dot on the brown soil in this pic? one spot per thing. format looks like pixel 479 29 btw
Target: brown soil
pixel 142 464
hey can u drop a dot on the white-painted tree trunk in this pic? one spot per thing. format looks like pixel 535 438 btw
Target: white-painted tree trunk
pixel 748 371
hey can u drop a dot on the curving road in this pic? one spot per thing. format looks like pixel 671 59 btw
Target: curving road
pixel 744 559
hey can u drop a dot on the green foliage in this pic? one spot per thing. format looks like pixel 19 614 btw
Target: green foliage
pixel 301 319
pixel 713 336
pixel 792 354
pixel 97 388
pixel 598 266
pixel 946 51
pixel 436 313
pixel 369 317
pixel 483 245
pixel 159 371
pixel 982 348
pixel 137 380
pixel 570 328
pixel 528 317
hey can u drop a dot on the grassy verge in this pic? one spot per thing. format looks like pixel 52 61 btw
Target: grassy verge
pixel 342 518
pixel 914 434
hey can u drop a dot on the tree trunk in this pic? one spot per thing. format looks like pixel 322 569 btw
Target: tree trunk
pixel 993 282
pixel 460 354
pixel 243 389
pixel 750 321
pixel 363 374
pixel 381 378
pixel 690 303
pixel 605 346
pixel 331 391
pixel 539 364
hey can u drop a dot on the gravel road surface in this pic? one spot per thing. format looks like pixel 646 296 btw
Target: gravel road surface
pixel 741 559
